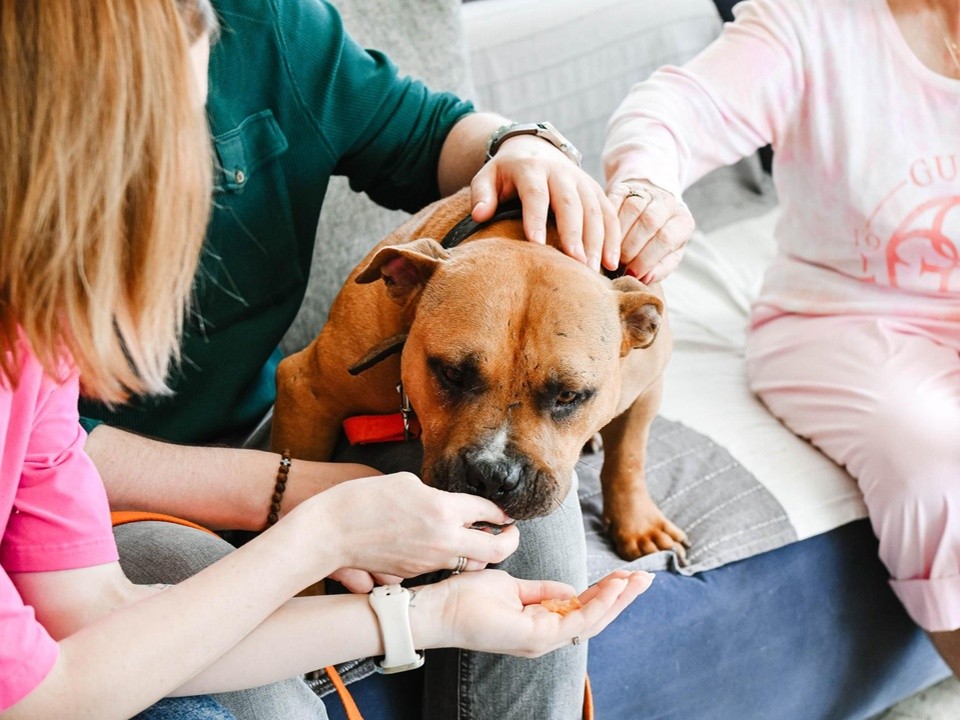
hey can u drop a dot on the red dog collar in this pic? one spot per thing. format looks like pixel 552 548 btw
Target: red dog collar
pixel 364 429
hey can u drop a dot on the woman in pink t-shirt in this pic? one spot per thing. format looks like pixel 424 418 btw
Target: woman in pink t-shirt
pixel 104 191
pixel 855 339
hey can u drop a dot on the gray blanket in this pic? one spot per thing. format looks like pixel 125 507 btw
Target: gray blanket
pixel 727 514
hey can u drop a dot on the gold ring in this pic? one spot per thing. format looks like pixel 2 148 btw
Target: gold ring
pixel 461 565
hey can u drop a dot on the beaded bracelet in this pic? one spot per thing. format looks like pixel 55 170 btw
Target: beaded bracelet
pixel 278 489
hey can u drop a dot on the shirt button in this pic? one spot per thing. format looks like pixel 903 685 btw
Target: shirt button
pixel 239 177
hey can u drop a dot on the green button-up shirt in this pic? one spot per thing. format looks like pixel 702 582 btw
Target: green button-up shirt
pixel 293 100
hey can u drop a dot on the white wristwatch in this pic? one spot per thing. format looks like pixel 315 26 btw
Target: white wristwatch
pixel 543 130
pixel 391 603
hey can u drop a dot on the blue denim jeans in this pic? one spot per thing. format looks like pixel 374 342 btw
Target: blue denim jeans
pixel 186 708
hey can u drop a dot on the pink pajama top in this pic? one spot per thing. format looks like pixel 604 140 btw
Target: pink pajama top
pixel 53 511
pixel 867 152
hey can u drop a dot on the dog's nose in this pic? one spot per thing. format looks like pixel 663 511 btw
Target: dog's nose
pixel 492 479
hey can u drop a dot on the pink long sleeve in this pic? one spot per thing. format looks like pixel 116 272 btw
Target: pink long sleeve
pixel 734 97
pixel 866 151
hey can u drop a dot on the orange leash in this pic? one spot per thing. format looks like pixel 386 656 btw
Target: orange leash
pixel 122 517
pixel 349 706
pixel 587 701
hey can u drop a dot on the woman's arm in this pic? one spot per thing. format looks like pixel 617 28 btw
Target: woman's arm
pixel 219 488
pixel 734 97
pixel 131 656
pixel 232 626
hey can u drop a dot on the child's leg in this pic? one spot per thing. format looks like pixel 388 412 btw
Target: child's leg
pixel 881 398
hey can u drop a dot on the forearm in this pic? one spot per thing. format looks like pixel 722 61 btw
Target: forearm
pixel 465 150
pixel 133 656
pixel 219 488
pixel 314 632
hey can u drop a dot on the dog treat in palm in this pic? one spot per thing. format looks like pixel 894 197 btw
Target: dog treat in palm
pixel 563 607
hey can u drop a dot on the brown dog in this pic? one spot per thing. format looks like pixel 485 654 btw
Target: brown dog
pixel 513 356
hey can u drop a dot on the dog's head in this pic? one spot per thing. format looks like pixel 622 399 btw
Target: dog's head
pixel 512 361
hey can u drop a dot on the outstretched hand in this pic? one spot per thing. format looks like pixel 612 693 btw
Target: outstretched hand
pixel 492 611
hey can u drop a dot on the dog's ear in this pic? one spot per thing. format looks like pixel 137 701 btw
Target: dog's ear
pixel 640 314
pixel 404 268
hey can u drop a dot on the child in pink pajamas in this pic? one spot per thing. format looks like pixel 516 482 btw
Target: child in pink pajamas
pixel 855 338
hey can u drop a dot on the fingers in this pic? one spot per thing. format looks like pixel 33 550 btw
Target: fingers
pixel 568 211
pixel 544 179
pixel 535 591
pixel 356 581
pixel 600 605
pixel 658 251
pixel 385 579
pixel 484 193
pixel 586 220
pixel 484 548
pixel 656 227
pixel 473 509
pixel 612 234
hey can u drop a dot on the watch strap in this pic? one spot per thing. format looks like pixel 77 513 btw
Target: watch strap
pixel 543 130
pixel 391 603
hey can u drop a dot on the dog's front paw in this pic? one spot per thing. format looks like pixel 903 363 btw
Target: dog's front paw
pixel 646 534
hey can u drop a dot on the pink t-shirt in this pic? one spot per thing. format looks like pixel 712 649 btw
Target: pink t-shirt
pixel 867 152
pixel 53 511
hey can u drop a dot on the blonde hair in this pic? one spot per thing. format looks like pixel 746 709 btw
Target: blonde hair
pixel 104 186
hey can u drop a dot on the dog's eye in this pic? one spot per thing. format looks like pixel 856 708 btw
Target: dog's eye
pixel 568 397
pixel 452 375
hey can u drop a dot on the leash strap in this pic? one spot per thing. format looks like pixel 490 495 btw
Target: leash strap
pixel 349 705
pixel 123 517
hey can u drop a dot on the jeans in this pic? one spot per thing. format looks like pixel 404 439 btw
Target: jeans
pixel 186 708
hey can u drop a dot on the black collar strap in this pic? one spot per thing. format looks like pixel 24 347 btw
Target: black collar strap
pixel 509 210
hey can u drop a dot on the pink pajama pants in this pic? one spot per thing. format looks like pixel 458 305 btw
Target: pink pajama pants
pixel 881 397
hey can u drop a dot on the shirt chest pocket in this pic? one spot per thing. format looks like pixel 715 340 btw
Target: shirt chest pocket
pixel 250 259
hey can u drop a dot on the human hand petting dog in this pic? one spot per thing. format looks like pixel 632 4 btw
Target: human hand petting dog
pixel 655 227
pixel 400 528
pixel 491 611
pixel 543 178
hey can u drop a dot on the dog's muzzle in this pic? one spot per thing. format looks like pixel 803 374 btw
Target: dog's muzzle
pixel 510 480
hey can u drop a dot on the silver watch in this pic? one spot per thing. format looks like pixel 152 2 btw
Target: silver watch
pixel 543 130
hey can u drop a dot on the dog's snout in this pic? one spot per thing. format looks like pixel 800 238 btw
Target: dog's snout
pixel 492 480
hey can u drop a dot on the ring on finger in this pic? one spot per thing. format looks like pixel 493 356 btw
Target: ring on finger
pixel 575 640
pixel 461 565
pixel 634 192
